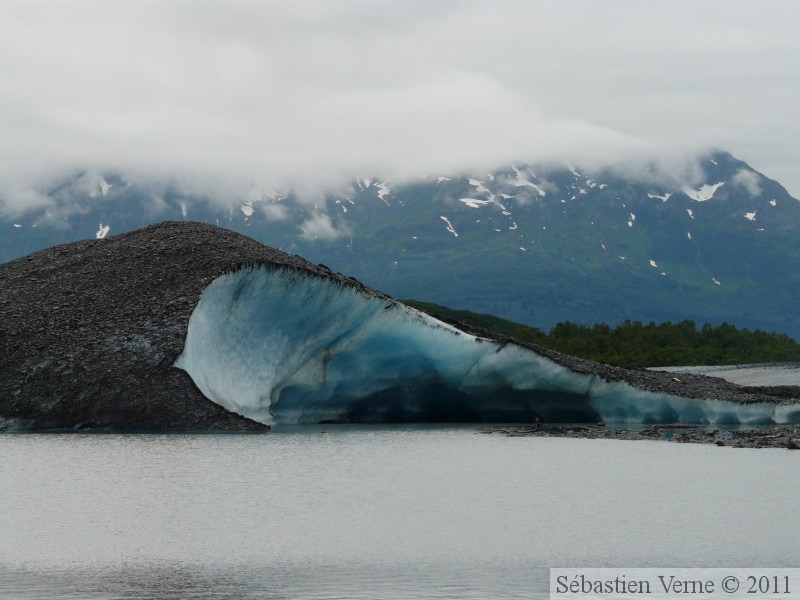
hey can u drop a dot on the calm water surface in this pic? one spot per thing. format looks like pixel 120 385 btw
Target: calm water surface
pixel 375 512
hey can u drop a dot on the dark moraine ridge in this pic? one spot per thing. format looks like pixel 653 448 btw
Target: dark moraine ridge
pixel 89 333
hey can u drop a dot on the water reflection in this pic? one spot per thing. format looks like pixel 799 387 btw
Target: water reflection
pixel 322 582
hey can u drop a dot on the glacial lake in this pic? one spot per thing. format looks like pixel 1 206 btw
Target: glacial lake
pixel 374 512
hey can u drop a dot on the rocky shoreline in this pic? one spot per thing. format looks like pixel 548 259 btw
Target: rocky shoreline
pixel 772 436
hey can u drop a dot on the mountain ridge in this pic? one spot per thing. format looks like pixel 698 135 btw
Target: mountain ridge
pixel 533 245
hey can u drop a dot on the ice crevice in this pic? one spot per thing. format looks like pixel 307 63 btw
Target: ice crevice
pixel 286 346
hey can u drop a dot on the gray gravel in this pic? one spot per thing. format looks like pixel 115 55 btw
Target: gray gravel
pixel 773 436
pixel 755 375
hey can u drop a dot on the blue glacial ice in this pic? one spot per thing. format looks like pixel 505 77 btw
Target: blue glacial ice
pixel 284 346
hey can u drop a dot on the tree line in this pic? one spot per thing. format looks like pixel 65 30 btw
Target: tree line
pixel 637 344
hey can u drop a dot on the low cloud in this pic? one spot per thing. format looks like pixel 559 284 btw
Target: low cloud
pixel 320 227
pixel 230 101
pixel 749 181
pixel 275 212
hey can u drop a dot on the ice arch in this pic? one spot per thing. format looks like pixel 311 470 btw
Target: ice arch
pixel 281 345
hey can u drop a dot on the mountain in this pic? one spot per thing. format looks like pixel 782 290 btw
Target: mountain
pixel 530 244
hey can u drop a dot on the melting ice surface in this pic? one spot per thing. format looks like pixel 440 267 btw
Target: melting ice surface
pixel 283 346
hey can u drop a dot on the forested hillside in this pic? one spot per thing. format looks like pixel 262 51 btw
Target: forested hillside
pixel 636 344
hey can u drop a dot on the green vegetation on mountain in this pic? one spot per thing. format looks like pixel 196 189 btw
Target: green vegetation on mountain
pixel 635 344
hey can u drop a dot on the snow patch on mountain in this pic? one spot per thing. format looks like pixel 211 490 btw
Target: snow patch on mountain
pixel 383 191
pixel 522 181
pixel 663 197
pixel 474 203
pixel 751 216
pixel 705 192
pixel 102 232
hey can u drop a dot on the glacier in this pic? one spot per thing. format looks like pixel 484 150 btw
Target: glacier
pixel 281 345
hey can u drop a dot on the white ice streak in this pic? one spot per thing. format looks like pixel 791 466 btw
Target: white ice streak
pixel 450 227
pixel 102 232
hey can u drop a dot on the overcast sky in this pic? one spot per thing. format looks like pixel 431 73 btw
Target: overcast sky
pixel 235 98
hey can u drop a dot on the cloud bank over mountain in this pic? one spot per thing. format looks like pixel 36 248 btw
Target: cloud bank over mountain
pixel 242 99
